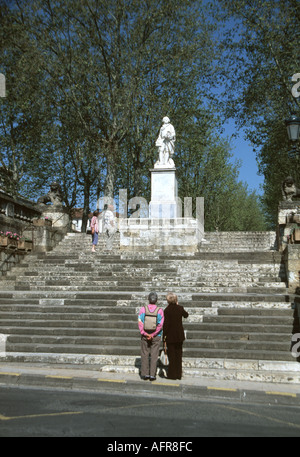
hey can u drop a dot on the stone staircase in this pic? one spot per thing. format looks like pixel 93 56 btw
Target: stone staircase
pixel 73 306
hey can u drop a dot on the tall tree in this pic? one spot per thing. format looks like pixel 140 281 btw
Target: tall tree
pixel 20 111
pixel 261 50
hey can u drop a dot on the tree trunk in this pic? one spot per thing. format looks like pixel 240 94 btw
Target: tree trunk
pixel 110 172
pixel 86 207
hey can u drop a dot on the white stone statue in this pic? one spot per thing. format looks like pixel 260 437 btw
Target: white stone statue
pixel 166 144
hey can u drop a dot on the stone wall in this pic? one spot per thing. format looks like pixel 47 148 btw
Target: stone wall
pixel 16 214
pixel 9 258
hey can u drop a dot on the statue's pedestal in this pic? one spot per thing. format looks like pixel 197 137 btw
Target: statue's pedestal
pixel 173 235
pixel 289 239
pixel 58 215
pixel 288 222
pixel 165 229
pixel 164 202
pixel 291 257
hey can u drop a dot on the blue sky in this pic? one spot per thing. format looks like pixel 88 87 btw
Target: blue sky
pixel 243 151
pixel 241 148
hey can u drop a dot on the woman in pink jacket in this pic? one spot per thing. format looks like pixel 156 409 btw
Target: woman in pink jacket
pixel 150 339
pixel 95 230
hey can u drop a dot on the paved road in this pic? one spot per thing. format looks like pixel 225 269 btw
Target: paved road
pixel 26 412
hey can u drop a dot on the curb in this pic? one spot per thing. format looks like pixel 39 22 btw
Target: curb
pixel 145 388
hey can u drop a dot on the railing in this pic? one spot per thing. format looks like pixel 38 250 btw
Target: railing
pixel 16 213
pixel 6 254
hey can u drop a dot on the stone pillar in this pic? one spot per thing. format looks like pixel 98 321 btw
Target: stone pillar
pixel 287 222
pixel 59 217
pixel 289 240
pixel 164 203
pixel 292 265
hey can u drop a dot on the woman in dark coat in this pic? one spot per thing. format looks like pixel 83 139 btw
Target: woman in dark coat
pixel 174 335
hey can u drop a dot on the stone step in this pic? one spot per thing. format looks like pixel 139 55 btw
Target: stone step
pixel 145 282
pixel 247 328
pixel 239 241
pixel 85 305
pixel 243 297
pixel 193 336
pixel 45 294
pixel 169 264
pixel 25 341
pixel 207 321
pixel 66 315
pixel 246 345
pixel 28 309
pixel 255 311
pixel 70 287
pixel 120 350
pixel 75 324
pixel 116 270
pixel 238 303
pixel 272 287
pixel 161 289
pixel 72 340
pixel 242 354
pixel 124 318
pixel 220 299
pixel 279 372
pixel 248 319
pixel 155 264
pixel 72 349
pixel 213 314
pixel 193 270
pixel 70 331
pixel 192 331
pixel 97 318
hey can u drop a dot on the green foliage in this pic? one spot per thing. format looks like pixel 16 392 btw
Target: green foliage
pixel 88 83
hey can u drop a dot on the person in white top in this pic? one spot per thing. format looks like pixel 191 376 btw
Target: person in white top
pixel 109 226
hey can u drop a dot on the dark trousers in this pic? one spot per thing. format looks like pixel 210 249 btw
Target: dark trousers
pixel 174 351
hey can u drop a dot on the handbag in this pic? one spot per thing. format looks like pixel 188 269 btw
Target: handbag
pixel 164 357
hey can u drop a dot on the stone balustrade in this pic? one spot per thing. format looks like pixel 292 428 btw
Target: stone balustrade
pixel 38 233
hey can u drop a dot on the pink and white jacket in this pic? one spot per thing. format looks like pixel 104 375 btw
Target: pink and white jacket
pixel 160 320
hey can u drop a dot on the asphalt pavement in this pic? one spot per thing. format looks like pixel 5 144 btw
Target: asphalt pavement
pixel 87 378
